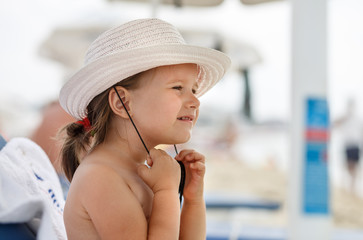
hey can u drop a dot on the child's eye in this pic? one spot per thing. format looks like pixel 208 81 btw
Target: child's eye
pixel 178 88
pixel 194 91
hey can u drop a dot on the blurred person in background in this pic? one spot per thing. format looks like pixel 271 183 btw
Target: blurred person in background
pixel 53 119
pixel 225 143
pixel 351 129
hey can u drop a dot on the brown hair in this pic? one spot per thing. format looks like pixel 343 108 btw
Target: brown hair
pixel 78 141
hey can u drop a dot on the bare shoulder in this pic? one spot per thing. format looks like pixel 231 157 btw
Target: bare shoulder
pixel 96 176
pixel 109 202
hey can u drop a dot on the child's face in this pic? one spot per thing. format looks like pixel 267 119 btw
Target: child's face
pixel 165 107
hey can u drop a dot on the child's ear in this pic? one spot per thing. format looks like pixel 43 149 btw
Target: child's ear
pixel 116 104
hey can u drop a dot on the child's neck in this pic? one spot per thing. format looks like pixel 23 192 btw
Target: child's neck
pixel 126 148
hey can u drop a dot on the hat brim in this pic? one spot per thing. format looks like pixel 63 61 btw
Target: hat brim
pixel 103 73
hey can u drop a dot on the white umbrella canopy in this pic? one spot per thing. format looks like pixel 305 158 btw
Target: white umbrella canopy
pixel 243 55
pixel 68 46
pixel 196 3
pixel 252 2
pixel 193 3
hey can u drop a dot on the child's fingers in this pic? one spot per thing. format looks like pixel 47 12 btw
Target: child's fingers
pixel 149 161
pixel 156 153
pixel 163 173
pixel 190 155
pixel 183 153
pixel 197 166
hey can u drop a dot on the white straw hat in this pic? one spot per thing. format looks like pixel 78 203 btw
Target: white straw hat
pixel 132 48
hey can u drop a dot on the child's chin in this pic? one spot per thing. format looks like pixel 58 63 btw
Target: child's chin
pixel 178 141
pixel 181 141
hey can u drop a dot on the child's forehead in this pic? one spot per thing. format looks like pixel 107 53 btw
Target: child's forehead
pixel 177 73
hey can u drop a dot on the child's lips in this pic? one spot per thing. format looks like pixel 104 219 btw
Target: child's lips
pixel 186 118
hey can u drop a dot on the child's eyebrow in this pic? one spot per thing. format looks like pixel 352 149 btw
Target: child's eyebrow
pixel 174 81
pixel 196 84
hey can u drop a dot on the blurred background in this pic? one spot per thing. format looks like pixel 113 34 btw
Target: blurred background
pixel 244 124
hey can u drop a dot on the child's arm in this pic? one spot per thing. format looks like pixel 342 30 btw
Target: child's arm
pixel 193 216
pixel 163 178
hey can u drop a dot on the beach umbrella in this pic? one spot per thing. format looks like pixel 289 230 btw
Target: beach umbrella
pixel 67 45
pixel 252 2
pixel 179 3
pixel 195 3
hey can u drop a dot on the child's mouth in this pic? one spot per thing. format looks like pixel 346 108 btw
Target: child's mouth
pixel 186 118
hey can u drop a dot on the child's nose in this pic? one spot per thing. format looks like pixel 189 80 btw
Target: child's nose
pixel 193 102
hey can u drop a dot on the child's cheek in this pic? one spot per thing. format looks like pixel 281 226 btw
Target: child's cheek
pixel 194 121
pixel 196 118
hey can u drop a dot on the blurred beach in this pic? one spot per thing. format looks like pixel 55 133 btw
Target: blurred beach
pixel 256 165
pixel 269 183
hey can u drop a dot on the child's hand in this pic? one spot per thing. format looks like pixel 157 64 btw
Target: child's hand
pixel 164 173
pixel 194 163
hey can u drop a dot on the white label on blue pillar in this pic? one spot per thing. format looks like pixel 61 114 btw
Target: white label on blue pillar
pixel 316 193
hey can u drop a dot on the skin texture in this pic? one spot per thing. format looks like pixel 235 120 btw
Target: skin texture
pixel 114 195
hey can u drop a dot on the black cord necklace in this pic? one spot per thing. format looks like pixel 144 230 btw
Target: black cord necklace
pixel 182 167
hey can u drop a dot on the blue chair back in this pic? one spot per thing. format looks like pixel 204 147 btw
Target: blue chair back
pixel 2 142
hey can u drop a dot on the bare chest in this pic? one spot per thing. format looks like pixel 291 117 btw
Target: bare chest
pixel 143 194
